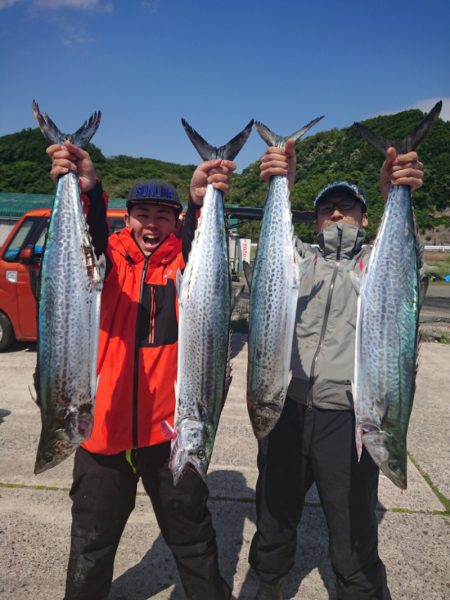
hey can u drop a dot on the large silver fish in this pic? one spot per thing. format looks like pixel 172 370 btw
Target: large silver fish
pixel 205 304
pixel 387 324
pixel 274 288
pixel 71 281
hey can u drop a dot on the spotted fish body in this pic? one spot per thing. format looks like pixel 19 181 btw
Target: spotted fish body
pixel 386 339
pixel 273 300
pixel 204 297
pixel 387 327
pixel 68 318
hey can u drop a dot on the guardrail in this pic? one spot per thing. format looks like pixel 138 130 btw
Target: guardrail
pixel 436 248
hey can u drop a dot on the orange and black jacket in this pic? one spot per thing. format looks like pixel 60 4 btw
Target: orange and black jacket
pixel 138 340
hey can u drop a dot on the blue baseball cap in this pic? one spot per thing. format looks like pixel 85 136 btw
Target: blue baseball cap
pixel 340 185
pixel 154 191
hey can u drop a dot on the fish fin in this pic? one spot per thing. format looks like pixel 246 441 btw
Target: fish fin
pixel 424 278
pixel 176 385
pixel 36 385
pixel 80 138
pixel 167 430
pixel 33 395
pixel 359 441
pixel 178 281
pixel 101 270
pixel 248 272
pixel 409 142
pixel 356 282
pixel 236 297
pixel 228 380
pixel 300 263
pixel 273 139
pixel 228 151
pixel 289 379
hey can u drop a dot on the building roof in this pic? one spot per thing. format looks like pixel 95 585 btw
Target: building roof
pixel 15 205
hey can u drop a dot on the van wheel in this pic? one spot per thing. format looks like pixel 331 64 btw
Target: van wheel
pixel 6 333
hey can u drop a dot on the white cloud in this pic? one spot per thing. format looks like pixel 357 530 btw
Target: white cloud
pixel 53 4
pixel 103 5
pixel 424 105
pixel 6 3
pixel 72 36
pixel 151 5
pixel 427 105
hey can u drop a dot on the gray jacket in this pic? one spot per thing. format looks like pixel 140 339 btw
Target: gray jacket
pixel 323 346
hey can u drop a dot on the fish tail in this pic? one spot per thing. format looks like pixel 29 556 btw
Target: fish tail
pixel 228 152
pixel 408 143
pixel 80 138
pixel 273 139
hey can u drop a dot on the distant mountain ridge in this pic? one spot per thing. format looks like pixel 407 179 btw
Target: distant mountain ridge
pixel 321 158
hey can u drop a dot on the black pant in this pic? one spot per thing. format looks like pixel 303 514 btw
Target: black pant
pixel 310 445
pixel 103 495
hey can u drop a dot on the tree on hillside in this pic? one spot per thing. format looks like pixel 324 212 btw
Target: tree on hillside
pixel 323 157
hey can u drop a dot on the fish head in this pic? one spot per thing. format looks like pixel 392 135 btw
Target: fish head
pixel 188 448
pixel 52 450
pixel 264 417
pixel 388 454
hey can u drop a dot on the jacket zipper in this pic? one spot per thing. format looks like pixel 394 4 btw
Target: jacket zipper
pixel 136 359
pixel 325 320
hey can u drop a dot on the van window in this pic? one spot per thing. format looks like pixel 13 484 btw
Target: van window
pixel 115 224
pixel 39 245
pixel 18 240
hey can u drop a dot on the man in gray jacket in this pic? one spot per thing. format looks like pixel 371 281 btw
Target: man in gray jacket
pixel 314 440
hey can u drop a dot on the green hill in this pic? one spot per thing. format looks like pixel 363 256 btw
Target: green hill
pixel 329 155
pixel 24 167
pixel 343 154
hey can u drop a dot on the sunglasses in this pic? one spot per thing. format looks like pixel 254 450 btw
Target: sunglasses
pixel 327 206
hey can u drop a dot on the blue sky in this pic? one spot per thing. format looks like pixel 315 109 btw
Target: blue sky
pixel 146 64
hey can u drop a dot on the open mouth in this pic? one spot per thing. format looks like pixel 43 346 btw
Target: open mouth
pixel 150 242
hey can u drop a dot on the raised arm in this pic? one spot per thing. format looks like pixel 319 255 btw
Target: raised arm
pixel 68 158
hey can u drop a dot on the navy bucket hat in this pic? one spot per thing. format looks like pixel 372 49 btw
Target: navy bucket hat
pixel 154 191
pixel 340 185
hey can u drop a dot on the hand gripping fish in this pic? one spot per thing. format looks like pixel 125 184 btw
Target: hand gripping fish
pixel 273 300
pixel 387 323
pixel 70 285
pixel 205 305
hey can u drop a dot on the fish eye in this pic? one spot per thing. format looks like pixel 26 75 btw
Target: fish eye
pixel 201 454
pixel 48 457
pixel 394 466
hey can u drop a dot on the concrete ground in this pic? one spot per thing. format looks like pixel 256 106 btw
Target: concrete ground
pixel 35 510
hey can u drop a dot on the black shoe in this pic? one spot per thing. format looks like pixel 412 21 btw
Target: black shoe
pixel 269 591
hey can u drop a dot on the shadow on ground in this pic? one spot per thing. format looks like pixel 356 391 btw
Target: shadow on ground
pixel 156 571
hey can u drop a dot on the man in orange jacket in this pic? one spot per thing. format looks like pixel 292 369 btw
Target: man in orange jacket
pixel 137 368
